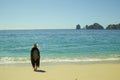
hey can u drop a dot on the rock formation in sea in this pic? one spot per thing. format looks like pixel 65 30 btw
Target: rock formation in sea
pixel 97 26
pixel 113 26
pixel 78 26
pixel 94 26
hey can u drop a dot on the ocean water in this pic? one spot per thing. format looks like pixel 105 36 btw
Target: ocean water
pixel 61 45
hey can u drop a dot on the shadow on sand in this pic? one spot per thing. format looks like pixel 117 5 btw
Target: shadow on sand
pixel 40 71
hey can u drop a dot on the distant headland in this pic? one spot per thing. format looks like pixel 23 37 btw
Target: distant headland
pixel 97 26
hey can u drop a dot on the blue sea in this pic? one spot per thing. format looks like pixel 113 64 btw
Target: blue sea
pixel 60 45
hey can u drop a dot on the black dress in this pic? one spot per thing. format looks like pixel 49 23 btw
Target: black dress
pixel 35 57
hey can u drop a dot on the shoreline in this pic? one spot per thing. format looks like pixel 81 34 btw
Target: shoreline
pixel 26 60
pixel 61 63
pixel 96 71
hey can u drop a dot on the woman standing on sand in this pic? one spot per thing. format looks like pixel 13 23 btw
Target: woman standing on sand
pixel 35 57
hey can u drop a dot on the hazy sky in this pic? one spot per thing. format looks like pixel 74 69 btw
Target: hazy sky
pixel 57 14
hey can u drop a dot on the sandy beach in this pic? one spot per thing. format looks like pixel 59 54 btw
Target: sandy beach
pixel 62 72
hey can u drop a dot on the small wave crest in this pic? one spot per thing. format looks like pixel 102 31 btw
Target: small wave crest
pixel 80 60
pixel 10 60
pixel 13 60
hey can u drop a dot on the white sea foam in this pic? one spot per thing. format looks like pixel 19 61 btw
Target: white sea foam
pixel 13 60
pixel 80 60
pixel 10 60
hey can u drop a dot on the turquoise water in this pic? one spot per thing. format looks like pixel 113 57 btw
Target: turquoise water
pixel 65 45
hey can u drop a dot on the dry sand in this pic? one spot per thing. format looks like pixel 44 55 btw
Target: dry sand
pixel 62 72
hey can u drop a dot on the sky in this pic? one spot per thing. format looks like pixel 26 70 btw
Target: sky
pixel 57 14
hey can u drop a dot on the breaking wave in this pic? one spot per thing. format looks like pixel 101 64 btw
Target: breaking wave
pixel 14 60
